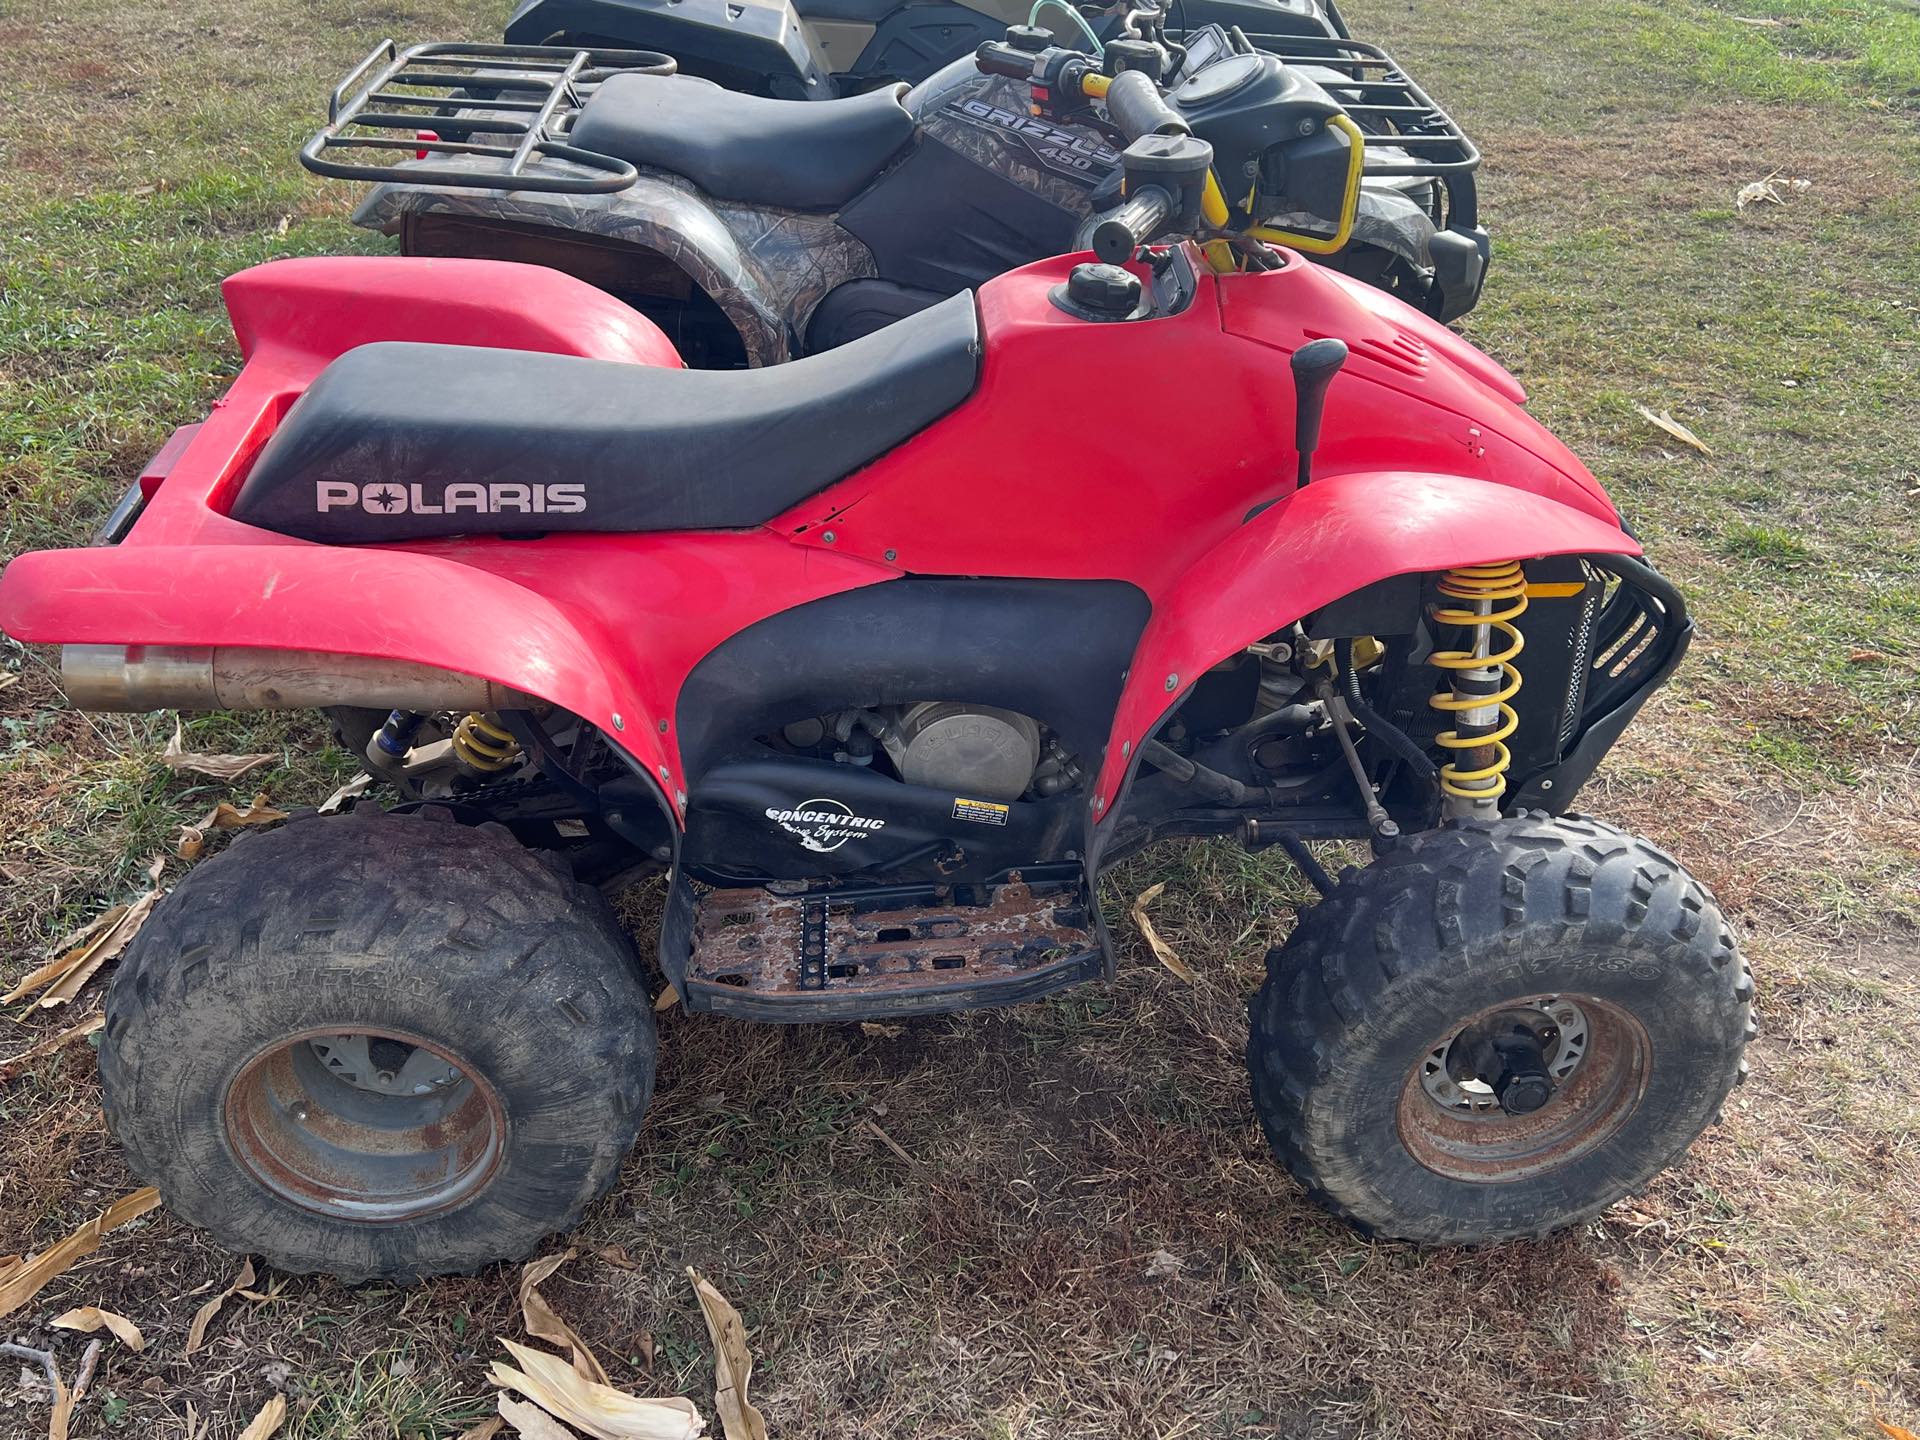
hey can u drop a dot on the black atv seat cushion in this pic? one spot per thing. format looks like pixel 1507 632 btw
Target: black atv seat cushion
pixel 786 154
pixel 402 441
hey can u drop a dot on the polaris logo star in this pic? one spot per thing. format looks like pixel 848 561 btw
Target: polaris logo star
pixel 388 497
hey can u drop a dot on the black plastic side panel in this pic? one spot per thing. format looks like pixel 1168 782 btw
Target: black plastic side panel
pixel 939 221
pixel 1053 649
pixel 759 48
pixel 861 307
pixel 1256 17
pixel 761 819
pixel 915 40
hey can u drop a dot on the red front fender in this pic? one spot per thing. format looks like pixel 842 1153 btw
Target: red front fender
pixel 1339 534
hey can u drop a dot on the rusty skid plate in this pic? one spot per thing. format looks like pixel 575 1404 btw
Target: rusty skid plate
pixel 836 955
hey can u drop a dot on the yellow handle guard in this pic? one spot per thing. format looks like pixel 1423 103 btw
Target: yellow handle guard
pixel 1213 201
pixel 1349 203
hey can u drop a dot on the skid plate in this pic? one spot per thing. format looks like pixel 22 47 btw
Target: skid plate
pixel 833 955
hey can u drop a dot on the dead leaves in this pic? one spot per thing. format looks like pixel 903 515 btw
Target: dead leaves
pixel 177 758
pixel 543 1324
pixel 1768 191
pixel 1665 421
pixel 21 1283
pixel 598 1410
pixel 43 1048
pixel 85 951
pixel 352 790
pixel 581 1393
pixel 204 1316
pixel 530 1420
pixel 225 816
pixel 732 1364
pixel 1162 950
pixel 272 1416
pixel 1887 1427
pixel 89 1318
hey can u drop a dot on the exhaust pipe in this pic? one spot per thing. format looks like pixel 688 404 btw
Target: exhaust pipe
pixel 169 677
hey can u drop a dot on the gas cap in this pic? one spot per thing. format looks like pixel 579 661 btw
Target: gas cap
pixel 1100 293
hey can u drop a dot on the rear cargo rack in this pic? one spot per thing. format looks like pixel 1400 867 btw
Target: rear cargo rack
pixel 433 99
pixel 1385 102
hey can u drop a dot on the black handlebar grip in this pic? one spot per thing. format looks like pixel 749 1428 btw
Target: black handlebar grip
pixel 1143 215
pixel 1137 108
pixel 995 57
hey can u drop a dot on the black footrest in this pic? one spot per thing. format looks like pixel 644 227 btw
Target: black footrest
pixel 842 955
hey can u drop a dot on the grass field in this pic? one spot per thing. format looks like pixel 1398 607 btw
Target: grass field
pixel 1001 1281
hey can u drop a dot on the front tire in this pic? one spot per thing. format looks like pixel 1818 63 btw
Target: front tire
pixel 1497 1030
pixel 378 1046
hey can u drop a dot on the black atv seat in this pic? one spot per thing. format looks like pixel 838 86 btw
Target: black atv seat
pixel 401 441
pixel 788 154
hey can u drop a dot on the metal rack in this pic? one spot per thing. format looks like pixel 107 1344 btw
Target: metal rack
pixel 1390 107
pixel 433 99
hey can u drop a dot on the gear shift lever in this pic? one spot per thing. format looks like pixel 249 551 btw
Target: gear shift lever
pixel 1314 365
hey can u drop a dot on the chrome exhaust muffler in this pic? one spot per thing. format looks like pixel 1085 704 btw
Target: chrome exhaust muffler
pixel 170 677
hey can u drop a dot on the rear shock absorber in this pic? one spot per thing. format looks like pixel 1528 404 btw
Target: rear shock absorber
pixel 483 744
pixel 1482 679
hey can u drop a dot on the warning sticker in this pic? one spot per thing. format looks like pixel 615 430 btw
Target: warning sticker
pixel 981 812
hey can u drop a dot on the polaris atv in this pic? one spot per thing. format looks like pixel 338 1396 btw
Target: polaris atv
pixel 883 656
pixel 752 230
pixel 827 48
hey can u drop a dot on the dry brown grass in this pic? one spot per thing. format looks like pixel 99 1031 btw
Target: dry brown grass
pixel 1007 1278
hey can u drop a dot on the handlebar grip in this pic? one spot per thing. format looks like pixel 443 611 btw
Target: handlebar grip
pixel 994 57
pixel 1136 107
pixel 1143 216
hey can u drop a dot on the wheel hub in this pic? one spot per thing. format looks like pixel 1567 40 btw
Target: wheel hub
pixel 1513 1061
pixel 383 1065
pixel 1524 1087
pixel 380 1128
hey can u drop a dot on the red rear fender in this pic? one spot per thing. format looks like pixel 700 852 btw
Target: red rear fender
pixel 604 626
pixel 293 317
pixel 324 307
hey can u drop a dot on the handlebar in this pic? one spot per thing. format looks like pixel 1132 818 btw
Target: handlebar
pixel 1138 220
pixel 1132 97
pixel 995 57
pixel 1135 106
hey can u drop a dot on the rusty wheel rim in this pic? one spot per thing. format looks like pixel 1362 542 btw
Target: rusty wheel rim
pixel 1597 1059
pixel 418 1138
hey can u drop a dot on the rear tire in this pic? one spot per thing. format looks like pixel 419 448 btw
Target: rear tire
pixel 1616 961
pixel 486 1012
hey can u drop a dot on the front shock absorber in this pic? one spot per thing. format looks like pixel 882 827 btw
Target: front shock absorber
pixel 1484 601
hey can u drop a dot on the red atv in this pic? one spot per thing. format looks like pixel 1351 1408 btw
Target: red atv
pixel 883 656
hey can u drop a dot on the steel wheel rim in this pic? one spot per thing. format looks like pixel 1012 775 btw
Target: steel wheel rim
pixel 1598 1076
pixel 373 1153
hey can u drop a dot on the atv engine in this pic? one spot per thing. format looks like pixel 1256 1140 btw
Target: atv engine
pixel 981 750
pixel 957 747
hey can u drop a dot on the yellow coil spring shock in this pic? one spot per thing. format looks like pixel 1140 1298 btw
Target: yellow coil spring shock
pixel 1483 679
pixel 482 743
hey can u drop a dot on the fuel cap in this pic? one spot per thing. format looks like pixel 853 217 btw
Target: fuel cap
pixel 1100 292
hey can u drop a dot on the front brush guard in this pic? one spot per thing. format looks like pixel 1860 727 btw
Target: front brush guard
pixel 1636 639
